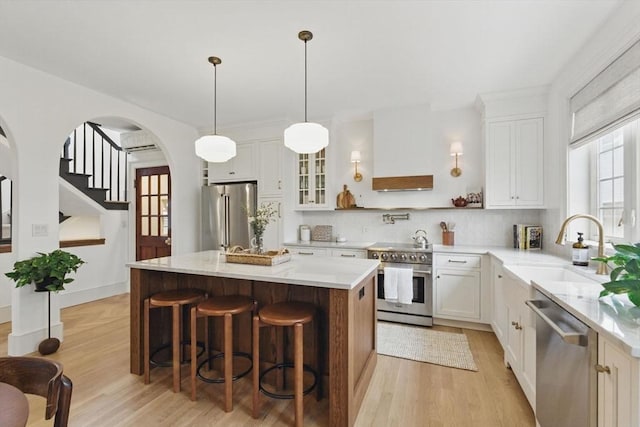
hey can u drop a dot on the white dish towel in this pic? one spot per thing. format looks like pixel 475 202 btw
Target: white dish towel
pixel 405 285
pixel 391 284
pixel 398 285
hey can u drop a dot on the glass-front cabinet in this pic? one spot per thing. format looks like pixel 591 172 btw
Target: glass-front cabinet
pixel 311 171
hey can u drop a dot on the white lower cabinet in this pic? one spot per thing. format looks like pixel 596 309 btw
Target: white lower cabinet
pixel 520 336
pixel 499 309
pixel 301 250
pixel 457 286
pixel 618 383
pixel 328 251
pixel 349 253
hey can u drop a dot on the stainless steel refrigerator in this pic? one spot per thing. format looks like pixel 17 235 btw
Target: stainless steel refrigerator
pixel 225 215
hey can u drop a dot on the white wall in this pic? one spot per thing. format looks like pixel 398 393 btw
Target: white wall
pixel 445 127
pixel 37 112
pixel 619 32
pixel 473 226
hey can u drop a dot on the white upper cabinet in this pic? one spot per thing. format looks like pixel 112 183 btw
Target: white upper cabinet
pixel 240 168
pixel 270 155
pixel 311 181
pixel 514 168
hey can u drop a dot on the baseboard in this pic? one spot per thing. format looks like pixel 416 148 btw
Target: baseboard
pixel 5 314
pixel 68 299
pixel 26 343
pixel 462 324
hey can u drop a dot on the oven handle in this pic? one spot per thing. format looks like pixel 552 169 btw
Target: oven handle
pixel 428 272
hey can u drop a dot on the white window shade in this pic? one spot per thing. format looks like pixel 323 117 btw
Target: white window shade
pixel 611 98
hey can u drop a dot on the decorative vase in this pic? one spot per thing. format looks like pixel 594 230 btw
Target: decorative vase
pixel 257 244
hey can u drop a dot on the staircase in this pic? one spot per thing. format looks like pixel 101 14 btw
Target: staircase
pixel 96 165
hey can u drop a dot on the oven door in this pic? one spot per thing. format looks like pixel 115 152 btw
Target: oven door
pixel 419 312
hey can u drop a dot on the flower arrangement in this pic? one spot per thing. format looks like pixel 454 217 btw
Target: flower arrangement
pixel 265 214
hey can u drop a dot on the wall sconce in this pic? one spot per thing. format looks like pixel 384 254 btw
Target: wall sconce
pixel 456 150
pixel 356 158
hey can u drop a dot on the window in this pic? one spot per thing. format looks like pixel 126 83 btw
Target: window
pixel 602 182
pixel 609 178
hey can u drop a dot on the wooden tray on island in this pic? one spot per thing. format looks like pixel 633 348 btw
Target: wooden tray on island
pixel 238 255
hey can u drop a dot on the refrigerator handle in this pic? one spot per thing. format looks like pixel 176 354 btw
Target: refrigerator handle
pixel 227 226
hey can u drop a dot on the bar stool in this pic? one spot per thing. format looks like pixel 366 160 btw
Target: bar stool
pixel 175 299
pixel 220 306
pixel 294 314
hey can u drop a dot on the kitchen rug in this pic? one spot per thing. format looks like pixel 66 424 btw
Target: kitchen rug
pixel 425 345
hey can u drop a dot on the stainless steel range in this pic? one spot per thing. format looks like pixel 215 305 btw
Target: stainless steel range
pixel 401 255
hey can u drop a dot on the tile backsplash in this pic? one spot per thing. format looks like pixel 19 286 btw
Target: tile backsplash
pixel 472 226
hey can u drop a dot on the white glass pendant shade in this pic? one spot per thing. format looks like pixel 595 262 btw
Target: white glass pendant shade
pixel 306 137
pixel 215 148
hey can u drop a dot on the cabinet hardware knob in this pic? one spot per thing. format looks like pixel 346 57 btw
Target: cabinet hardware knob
pixel 279 184
pixel 232 173
pixel 499 276
pixel 601 369
pixel 514 323
pixel 168 241
pixel 518 326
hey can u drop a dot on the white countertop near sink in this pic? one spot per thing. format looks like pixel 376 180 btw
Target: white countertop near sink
pixel 613 316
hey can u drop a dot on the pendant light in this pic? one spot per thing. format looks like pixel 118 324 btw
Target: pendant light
pixel 306 137
pixel 213 147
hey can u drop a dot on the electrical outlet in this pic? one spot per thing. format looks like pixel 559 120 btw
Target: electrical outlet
pixel 39 230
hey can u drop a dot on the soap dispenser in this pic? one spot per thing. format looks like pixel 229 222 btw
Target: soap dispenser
pixel 580 254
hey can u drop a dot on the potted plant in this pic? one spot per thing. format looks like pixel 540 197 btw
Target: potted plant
pixel 47 271
pixel 625 274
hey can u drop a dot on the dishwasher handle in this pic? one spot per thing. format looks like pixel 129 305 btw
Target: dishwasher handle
pixel 574 338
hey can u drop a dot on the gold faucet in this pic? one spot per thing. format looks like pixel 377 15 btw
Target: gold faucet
pixel 602 267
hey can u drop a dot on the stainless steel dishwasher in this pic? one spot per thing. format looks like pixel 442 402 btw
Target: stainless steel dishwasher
pixel 566 354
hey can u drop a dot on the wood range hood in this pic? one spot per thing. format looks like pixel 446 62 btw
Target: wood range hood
pixel 403 183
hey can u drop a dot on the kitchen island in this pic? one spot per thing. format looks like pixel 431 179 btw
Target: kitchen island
pixel 343 289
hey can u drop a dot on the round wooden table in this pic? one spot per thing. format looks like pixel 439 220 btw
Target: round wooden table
pixel 14 407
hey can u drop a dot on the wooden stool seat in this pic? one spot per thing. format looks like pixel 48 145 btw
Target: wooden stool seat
pixel 288 313
pixel 175 299
pixel 220 306
pixel 178 296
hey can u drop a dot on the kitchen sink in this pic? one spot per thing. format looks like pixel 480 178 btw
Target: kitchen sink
pixel 527 273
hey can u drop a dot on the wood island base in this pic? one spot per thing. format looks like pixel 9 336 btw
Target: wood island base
pixel 346 324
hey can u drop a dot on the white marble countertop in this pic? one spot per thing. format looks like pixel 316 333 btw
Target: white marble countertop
pixel 317 271
pixel 332 244
pixel 614 316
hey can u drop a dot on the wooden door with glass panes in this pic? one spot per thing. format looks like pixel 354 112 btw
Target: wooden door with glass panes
pixel 311 171
pixel 153 213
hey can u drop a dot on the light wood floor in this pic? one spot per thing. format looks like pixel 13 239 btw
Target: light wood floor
pixel 404 393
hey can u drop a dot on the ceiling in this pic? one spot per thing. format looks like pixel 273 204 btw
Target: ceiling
pixel 365 55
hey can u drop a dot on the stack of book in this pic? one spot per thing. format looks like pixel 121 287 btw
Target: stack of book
pixel 527 236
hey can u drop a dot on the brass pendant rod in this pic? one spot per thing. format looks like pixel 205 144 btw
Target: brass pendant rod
pixel 305 80
pixel 214 60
